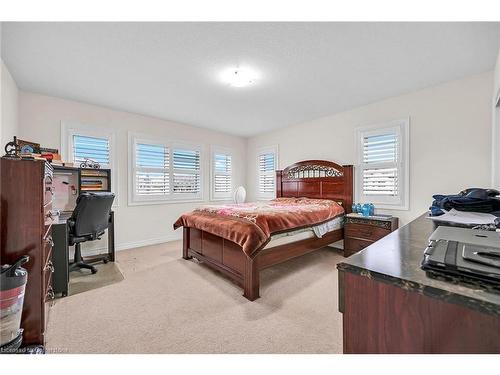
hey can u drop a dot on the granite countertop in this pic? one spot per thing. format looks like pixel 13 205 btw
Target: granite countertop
pixel 396 259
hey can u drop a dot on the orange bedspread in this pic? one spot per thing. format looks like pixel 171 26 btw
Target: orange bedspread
pixel 251 225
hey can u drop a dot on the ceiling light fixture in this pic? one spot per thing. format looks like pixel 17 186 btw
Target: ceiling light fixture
pixel 239 77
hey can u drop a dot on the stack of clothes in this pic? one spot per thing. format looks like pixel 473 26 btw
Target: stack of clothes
pixel 471 200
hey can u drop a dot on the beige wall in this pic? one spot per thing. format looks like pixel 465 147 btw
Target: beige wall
pixel 450 145
pixel 9 107
pixel 496 127
pixel 450 139
pixel 40 120
pixel 497 75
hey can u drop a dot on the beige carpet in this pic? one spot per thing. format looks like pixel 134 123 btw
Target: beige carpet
pixel 169 305
pixel 83 280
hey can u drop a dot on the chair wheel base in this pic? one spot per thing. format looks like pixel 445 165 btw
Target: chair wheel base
pixel 80 265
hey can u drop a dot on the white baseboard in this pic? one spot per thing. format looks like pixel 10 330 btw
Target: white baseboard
pixel 134 244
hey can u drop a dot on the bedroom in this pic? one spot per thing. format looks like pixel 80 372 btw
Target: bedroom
pixel 290 122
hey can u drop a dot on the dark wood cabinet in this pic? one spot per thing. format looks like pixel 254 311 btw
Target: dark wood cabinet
pixel 26 193
pixel 360 232
pixel 390 305
pixel 379 318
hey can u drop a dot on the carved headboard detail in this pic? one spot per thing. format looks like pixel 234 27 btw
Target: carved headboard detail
pixel 317 179
pixel 311 171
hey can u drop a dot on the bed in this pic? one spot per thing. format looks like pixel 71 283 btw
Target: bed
pixel 238 245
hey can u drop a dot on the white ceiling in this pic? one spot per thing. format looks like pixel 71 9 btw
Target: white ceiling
pixel 309 70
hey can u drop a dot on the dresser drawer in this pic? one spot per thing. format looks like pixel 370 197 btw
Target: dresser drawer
pixel 353 245
pixel 364 231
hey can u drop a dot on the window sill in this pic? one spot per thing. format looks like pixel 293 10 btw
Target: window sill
pixel 391 207
pixel 228 199
pixel 165 201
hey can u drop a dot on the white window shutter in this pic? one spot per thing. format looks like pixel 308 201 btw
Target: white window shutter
pixel 381 152
pixel 221 175
pixel 267 174
pixel 94 148
pixel 152 163
pixel 186 171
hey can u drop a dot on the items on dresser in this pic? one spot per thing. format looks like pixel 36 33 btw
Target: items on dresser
pixel 366 209
pixel 470 200
pixel 28 148
pixel 26 215
pixel 466 219
pixel 361 231
pixel 12 149
pixel 470 254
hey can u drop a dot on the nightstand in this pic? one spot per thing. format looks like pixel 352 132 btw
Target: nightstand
pixel 362 231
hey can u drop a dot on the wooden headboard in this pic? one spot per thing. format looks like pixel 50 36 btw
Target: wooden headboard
pixel 317 179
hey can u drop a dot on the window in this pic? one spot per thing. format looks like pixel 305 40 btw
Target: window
pixel 94 148
pixel 221 174
pixel 163 170
pixel 267 162
pixel 382 172
pixel 80 142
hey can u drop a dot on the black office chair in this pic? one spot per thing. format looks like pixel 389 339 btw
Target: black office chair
pixel 88 222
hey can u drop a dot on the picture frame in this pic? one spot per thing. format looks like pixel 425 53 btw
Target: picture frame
pixel 27 147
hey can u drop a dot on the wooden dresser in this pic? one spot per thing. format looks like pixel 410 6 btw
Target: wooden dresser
pixel 390 305
pixel 26 220
pixel 362 231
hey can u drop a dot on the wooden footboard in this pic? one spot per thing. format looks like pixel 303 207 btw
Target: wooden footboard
pixel 228 258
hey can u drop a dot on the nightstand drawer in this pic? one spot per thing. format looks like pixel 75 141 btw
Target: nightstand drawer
pixel 352 245
pixel 364 231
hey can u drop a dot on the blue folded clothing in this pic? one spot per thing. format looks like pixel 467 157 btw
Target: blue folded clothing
pixel 471 200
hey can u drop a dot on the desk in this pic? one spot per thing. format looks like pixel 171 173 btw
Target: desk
pixel 390 305
pixel 60 257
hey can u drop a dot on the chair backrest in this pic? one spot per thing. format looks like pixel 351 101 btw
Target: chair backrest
pixel 91 214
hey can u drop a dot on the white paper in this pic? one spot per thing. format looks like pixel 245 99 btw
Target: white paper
pixel 461 217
